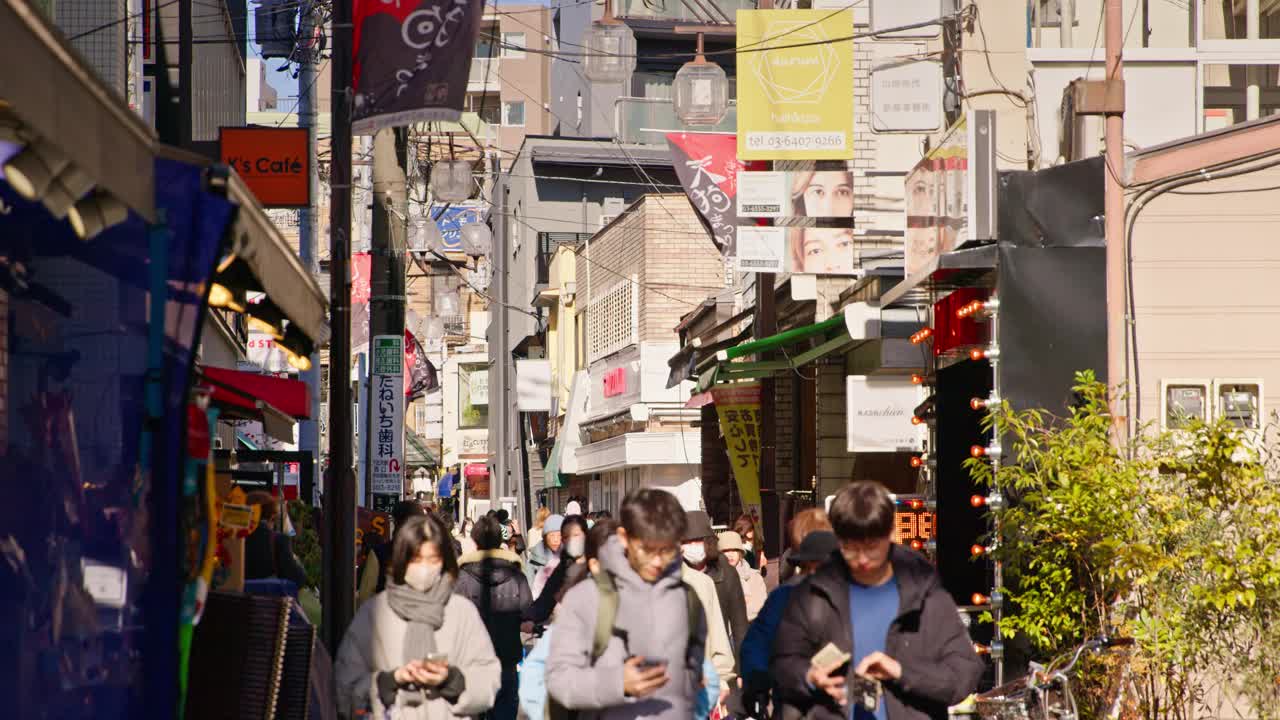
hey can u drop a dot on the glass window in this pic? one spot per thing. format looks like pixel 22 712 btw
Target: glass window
pixel 513 113
pixel 1227 97
pixel 513 45
pixel 473 395
pixel 1230 20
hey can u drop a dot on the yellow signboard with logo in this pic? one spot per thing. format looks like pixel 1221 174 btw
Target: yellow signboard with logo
pixel 738 407
pixel 795 85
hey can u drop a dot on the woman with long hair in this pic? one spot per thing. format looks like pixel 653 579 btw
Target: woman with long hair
pixel 417 650
pixel 551 579
pixel 753 543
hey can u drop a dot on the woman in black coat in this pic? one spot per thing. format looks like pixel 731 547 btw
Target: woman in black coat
pixel 701 552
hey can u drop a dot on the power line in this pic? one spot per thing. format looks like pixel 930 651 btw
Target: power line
pixel 298 100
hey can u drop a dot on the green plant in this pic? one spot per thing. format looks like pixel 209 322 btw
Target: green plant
pixel 1173 538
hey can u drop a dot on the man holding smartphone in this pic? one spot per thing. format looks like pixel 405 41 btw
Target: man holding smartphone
pixel 629 642
pixel 896 639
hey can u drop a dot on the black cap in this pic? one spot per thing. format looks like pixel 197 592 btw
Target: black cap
pixel 698 526
pixel 816 547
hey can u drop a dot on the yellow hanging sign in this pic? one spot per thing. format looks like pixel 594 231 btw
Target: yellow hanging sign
pixel 738 407
pixel 795 85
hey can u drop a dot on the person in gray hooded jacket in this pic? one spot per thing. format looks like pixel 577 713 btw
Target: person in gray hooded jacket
pixel 651 667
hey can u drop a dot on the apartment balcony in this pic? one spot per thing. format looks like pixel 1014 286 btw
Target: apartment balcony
pixel 646 121
pixel 683 11
pixel 548 243
pixel 483 76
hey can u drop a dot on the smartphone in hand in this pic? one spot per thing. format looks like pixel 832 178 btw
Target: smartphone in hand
pixel 437 657
pixel 865 692
pixel 647 663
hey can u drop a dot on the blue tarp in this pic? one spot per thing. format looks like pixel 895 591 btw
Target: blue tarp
pixel 75 353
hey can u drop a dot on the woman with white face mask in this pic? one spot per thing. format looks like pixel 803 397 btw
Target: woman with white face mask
pixel 417 650
pixel 701 553
pixel 548 582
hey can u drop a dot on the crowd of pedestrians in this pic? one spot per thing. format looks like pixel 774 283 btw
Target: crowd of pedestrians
pixel 654 615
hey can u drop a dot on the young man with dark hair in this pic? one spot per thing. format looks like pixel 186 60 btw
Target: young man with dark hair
pixel 630 642
pixel 884 606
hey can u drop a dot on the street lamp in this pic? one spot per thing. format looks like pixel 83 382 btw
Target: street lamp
pixel 451 180
pixel 611 49
pixel 701 91
pixel 477 239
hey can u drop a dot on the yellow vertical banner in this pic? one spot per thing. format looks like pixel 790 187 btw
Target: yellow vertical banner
pixel 738 407
pixel 795 85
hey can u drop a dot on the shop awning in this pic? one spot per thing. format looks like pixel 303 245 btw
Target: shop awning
pixel 66 105
pixel 260 260
pixel 417 454
pixel 277 402
pixel 563 458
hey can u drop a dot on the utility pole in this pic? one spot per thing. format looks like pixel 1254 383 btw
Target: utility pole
pixel 765 324
pixel 500 420
pixel 309 430
pixel 339 589
pixel 385 454
pixel 1117 320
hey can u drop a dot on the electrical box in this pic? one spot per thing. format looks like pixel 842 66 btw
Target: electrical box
pixel 276 27
pixel 1182 401
pixel 1239 401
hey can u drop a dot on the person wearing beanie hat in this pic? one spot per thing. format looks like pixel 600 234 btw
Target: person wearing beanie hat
pixel 753 589
pixel 573 508
pixel 547 551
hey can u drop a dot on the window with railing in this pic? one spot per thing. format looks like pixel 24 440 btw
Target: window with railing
pixel 615 320
pixel 646 121
pixel 548 243
pixel 454 325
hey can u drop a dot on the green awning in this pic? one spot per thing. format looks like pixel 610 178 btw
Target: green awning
pixel 416 453
pixel 551 471
pixel 832 332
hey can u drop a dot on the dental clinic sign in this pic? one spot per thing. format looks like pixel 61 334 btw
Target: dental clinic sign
pixel 273 162
pixel 879 411
pixel 386 444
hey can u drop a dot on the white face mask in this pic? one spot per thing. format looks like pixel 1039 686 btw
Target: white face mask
pixel 421 576
pixel 576 546
pixel 694 553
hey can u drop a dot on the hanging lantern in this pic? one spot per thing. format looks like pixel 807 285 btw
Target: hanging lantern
pixel 451 180
pixel 446 303
pixel 700 92
pixel 611 49
pixel 477 239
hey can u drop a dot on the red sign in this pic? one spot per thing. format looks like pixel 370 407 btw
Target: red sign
pixel 274 162
pixel 615 382
pixel 477 477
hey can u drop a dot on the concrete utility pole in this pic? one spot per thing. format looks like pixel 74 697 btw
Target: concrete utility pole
pixel 1117 313
pixel 309 430
pixel 339 590
pixel 387 292
pixel 501 410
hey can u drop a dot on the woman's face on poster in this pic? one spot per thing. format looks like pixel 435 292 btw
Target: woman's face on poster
pixel 827 193
pixel 825 250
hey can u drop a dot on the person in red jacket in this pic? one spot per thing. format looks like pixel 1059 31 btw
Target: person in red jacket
pixel 883 605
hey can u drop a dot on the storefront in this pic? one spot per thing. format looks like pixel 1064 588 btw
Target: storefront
pixel 111 250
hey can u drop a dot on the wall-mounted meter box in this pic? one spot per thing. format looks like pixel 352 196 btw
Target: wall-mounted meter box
pixel 1239 401
pixel 1182 401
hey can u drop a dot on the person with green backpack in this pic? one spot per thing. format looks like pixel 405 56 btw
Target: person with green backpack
pixel 630 642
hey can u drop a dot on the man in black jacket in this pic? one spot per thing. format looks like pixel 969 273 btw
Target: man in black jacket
pixel 885 606
pixel 701 552
pixel 492 579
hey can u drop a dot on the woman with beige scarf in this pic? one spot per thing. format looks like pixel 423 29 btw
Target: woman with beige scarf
pixel 417 651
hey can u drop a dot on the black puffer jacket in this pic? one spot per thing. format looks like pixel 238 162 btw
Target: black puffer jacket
pixel 939 665
pixel 495 583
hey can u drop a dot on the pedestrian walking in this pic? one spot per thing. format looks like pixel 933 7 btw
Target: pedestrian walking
pixel 701 552
pixel 545 552
pixel 884 607
pixel 631 642
pixel 267 553
pixel 550 580
pixel 373 578
pixel 493 580
pixel 803 523
pixel 535 532
pixel 417 650
pixel 753 589
pixel 753 543
pixel 757 648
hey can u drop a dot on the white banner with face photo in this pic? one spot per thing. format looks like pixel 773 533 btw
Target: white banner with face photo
pixel 822 193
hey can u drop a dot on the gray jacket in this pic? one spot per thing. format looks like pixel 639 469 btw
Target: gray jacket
pixel 652 622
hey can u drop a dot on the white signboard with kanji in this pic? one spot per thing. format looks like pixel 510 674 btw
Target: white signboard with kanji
pixel 386 446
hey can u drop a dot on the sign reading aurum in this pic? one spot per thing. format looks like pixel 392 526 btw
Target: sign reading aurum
pixel 795 85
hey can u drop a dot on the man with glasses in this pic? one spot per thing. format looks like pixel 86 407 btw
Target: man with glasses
pixel 900 651
pixel 629 642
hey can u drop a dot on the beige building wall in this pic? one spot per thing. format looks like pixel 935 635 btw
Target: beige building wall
pixel 1204 268
pixel 525 77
